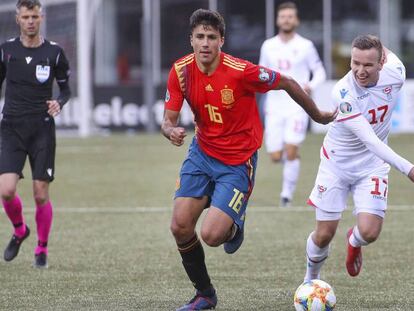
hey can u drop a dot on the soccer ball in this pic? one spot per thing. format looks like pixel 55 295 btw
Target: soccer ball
pixel 315 295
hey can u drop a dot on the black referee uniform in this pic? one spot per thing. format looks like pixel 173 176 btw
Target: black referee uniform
pixel 26 128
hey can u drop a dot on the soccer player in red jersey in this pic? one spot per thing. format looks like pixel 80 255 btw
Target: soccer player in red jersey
pixel 220 167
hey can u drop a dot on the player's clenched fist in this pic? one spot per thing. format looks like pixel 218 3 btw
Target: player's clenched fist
pixel 177 136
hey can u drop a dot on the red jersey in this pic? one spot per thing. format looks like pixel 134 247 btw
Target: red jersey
pixel 228 126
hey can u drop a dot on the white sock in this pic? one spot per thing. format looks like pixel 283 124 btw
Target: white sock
pixel 356 239
pixel 315 259
pixel 290 177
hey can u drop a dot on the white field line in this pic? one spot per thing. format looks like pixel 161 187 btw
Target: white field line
pixel 147 209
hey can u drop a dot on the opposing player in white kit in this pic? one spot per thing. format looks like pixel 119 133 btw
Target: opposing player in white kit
pixel 355 157
pixel 285 121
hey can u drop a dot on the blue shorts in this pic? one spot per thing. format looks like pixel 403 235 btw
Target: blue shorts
pixel 228 186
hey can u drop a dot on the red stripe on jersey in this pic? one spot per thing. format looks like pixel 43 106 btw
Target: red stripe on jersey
pixel 325 153
pixel 350 117
pixel 309 202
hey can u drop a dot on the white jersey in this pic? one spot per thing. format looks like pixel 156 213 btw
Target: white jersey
pixel 350 144
pixel 297 58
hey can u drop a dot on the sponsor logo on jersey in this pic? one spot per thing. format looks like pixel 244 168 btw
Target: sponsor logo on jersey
pixel 363 96
pixel 388 91
pixel 209 88
pixel 343 93
pixel 167 96
pixel 345 107
pixel 42 73
pixel 227 98
pixel 378 197
pixel 321 190
pixel 28 59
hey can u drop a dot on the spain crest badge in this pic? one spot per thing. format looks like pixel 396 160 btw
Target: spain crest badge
pixel 227 98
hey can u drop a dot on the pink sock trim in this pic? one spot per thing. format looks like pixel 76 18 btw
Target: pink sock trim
pixel 14 211
pixel 40 249
pixel 44 216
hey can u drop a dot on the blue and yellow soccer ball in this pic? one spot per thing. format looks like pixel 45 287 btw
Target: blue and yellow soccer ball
pixel 315 295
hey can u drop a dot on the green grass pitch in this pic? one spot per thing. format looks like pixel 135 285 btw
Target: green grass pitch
pixel 111 248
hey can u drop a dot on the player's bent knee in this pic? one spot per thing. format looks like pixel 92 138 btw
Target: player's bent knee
pixel 322 239
pixel 369 235
pixel 41 200
pixel 181 232
pixel 212 238
pixel 8 193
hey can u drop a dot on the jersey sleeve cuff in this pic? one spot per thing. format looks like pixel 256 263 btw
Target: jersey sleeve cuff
pixel 277 80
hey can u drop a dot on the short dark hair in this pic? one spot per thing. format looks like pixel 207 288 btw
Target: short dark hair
pixel 366 42
pixel 287 5
pixel 30 4
pixel 207 18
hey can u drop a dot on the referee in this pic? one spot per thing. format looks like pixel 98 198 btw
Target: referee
pixel 29 64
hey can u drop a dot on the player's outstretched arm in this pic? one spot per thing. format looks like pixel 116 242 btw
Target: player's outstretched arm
pixel 363 130
pixel 304 100
pixel 170 129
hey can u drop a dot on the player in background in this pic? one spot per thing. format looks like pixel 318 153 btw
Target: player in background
pixel 220 167
pixel 286 122
pixel 30 64
pixel 355 157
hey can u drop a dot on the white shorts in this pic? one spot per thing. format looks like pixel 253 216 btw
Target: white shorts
pixel 330 193
pixel 283 129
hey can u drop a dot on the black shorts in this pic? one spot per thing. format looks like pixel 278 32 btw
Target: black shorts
pixel 32 136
